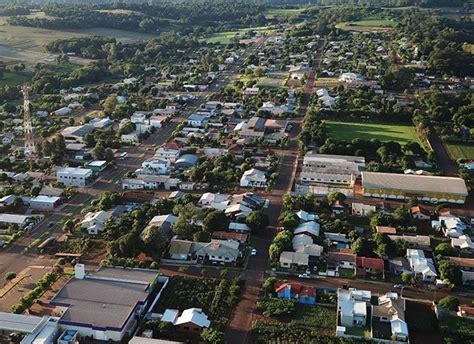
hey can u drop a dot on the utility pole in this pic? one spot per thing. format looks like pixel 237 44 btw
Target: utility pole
pixel 30 149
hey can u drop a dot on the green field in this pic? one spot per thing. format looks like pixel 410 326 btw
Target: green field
pixel 368 24
pixel 460 151
pixel 273 80
pixel 12 78
pixel 26 44
pixel 227 36
pixel 282 12
pixel 347 131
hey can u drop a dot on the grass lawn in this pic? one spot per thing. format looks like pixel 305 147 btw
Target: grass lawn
pixel 347 131
pixel 12 78
pixel 346 273
pixel 460 151
pixel 324 318
pixel 226 37
pixel 273 80
pixel 282 12
pixel 368 24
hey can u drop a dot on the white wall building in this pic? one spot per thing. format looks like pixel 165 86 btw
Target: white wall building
pixel 73 176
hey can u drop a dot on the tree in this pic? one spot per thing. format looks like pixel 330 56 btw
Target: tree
pixel 269 285
pixel 361 247
pixel 213 336
pixel 449 302
pixel 201 236
pixel 99 152
pixel 450 272
pixel 336 196
pixel 154 242
pixel 183 227
pixel 68 226
pixel 257 220
pixel 406 277
pixel 290 220
pixel 109 155
pixel 445 249
pixel 10 276
pixel 215 221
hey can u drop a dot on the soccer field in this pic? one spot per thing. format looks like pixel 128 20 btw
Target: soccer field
pixel 347 131
pixel 460 151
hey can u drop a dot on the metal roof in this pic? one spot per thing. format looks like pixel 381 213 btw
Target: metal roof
pixel 407 182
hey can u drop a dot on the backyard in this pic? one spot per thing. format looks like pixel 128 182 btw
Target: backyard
pixel 460 151
pixel 347 131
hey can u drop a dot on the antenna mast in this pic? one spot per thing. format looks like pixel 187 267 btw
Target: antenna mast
pixel 30 149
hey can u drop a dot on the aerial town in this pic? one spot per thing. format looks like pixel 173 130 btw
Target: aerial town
pixel 250 171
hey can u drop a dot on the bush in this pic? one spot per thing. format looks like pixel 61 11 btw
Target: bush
pixel 449 302
pixel 272 306
pixel 10 276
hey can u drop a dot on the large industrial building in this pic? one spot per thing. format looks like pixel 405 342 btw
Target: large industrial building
pixel 107 304
pixel 405 186
pixel 324 173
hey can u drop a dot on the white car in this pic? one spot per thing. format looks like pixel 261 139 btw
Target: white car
pixel 305 276
pixel 253 252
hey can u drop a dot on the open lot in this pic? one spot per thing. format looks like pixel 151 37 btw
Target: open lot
pixel 368 24
pixel 321 317
pixel 460 151
pixel 273 80
pixel 348 131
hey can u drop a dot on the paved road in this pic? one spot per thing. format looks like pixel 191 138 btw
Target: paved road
pixel 16 259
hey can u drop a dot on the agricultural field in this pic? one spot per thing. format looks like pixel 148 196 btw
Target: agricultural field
pixel 282 12
pixel 368 24
pixel 460 151
pixel 348 131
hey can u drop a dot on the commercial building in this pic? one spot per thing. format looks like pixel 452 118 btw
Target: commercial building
pixel 324 173
pixel 107 304
pixel 73 176
pixel 405 186
pixel 45 202
pixel 32 329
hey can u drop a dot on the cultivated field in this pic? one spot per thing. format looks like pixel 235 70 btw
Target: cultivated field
pixel 348 131
pixel 460 151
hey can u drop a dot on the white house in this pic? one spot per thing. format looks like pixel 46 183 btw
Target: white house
pixel 422 266
pixel 73 176
pixel 452 226
pixel 253 178
pixel 305 216
pixel 352 306
pixel 45 202
pixel 64 111
pixel 311 227
pixel 94 223
pixel 463 243
pixel 171 154
pixel 155 166
pixel 131 138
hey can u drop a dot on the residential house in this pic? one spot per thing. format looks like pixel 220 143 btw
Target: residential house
pixel 47 203
pixel 451 226
pixel 76 134
pixel 239 227
pixel 338 241
pixel 305 216
pixel 7 138
pixel 369 265
pixel 386 230
pixel 466 265
pixel 361 209
pixel 352 307
pixel 253 178
pixel 420 213
pixel 169 151
pixel 345 260
pixel 230 236
pixel 164 224
pixel 295 291
pixel 219 251
pixel 390 309
pixel 311 228
pixel 294 260
pixel 94 222
pixel 212 200
pixel 463 243
pixel 399 265
pixel 154 166
pixel 422 266
pixel 197 121
pixel 190 320
pixel 180 249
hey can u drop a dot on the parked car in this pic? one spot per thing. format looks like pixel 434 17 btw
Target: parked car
pixel 399 286
pixel 305 276
pixel 253 252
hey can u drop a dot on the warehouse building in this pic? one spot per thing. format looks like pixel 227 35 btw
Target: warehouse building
pixel 107 304
pixel 405 186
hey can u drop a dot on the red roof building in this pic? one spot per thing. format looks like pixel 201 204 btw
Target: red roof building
pixel 386 229
pixel 372 265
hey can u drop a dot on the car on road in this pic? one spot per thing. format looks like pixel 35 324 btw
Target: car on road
pixel 266 204
pixel 305 275
pixel 253 252
pixel 399 286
